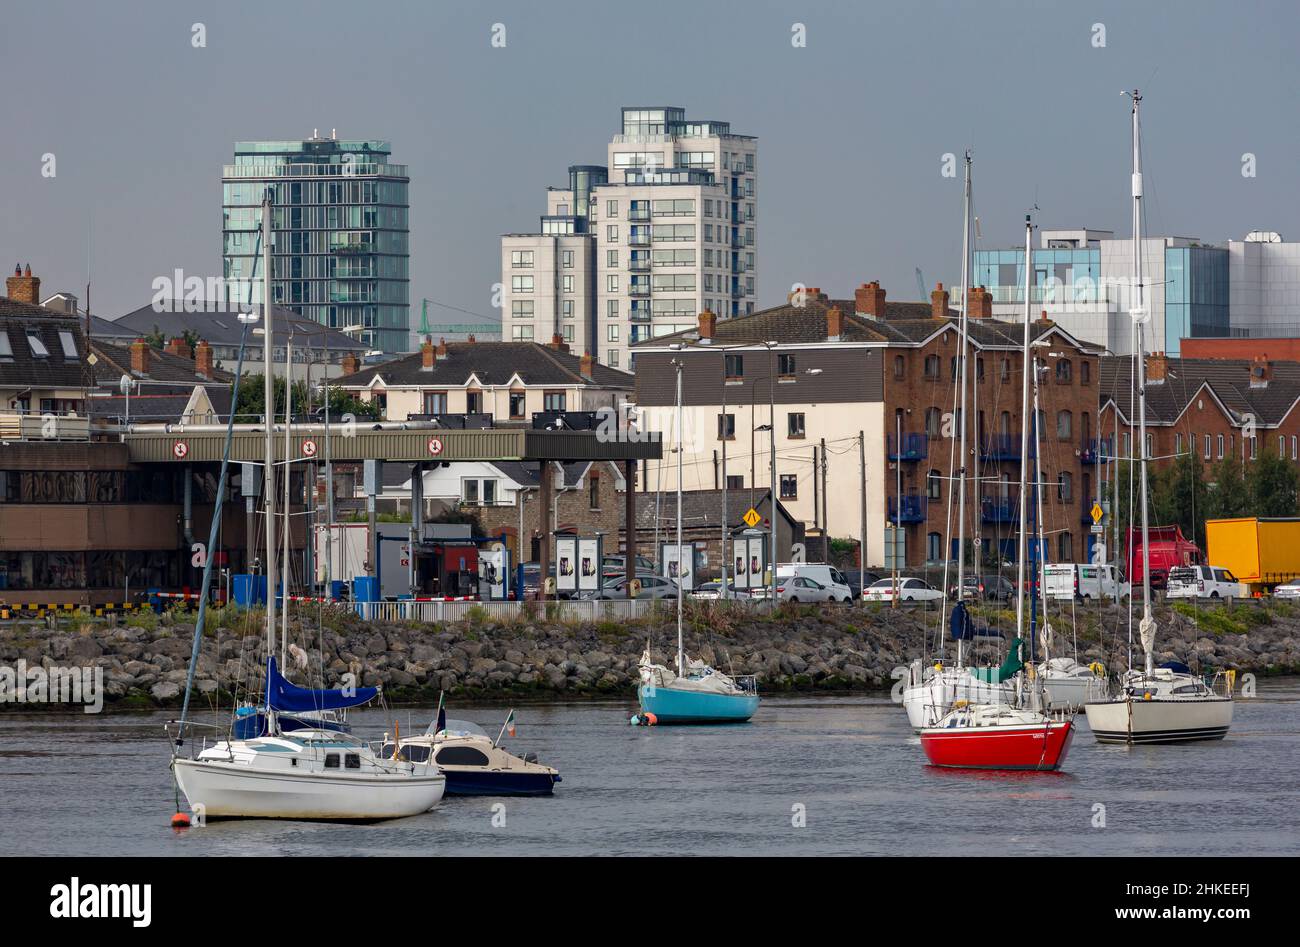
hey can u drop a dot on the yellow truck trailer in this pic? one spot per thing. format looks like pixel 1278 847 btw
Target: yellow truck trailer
pixel 1260 552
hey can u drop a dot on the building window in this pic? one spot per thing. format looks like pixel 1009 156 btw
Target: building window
pixel 934 485
pixel 475 492
pixel 611 332
pixel 932 366
pixel 473 402
pixel 553 401
pixel 611 258
pixel 1085 373
pixel 900 367
pixel 435 402
pixel 611 233
pixel 1006 369
pixel 521 284
pixel 1208 445
pixel 726 427
pixel 593 492
pixel 520 258
pixel 1254 443
pixel 567 258
pixel 611 283
pixel 611 358
pixel 1064 425
pixel 933 422
pixel 611 209
pixel 735 481
pixel 1063 371
pixel 1219 445
pixel 568 284
pixel 1065 487
pixel 1178 443
pixel 521 333
pixel 521 308
pixel 794 424
pixel 933 547
pixel 1065 548
pixel 567 309
pixel 517 401
pixel 785 366
pixel 735 366
pixel 789 487
pixel 611 308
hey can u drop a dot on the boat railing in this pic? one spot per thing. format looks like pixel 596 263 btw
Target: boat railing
pixel 747 683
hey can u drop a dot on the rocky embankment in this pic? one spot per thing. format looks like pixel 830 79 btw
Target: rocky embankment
pixel 801 648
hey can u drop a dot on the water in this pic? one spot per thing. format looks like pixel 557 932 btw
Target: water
pixel 99 785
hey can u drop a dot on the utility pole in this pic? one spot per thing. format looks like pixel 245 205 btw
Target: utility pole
pixel 898 506
pixel 826 522
pixel 862 500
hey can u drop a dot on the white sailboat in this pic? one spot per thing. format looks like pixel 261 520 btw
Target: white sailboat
pixel 1167 704
pixel 931 691
pixel 308 773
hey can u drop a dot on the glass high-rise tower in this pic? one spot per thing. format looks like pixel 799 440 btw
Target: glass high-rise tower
pixel 340 215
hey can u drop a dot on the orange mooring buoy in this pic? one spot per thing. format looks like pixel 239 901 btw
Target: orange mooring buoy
pixel 180 821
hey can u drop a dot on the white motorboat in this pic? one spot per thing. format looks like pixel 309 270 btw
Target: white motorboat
pixel 1068 685
pixel 473 763
pixel 307 774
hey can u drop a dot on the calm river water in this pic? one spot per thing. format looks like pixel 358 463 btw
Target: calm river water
pixel 99 785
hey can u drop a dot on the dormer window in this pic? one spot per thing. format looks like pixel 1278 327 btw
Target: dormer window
pixel 69 344
pixel 37 345
pixel 6 349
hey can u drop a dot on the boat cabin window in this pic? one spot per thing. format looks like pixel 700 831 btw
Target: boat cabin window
pixel 331 761
pixel 352 761
pixel 461 756
pixel 411 752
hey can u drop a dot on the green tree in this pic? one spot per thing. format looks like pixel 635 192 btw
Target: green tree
pixel 1273 484
pixel 1227 494
pixel 250 401
pixel 1178 496
pixel 157 339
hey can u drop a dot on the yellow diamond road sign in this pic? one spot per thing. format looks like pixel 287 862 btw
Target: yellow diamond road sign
pixel 752 518
pixel 1097 512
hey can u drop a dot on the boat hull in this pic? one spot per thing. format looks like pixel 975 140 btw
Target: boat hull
pixel 233 791
pixel 488 783
pixel 1039 747
pixel 672 706
pixel 1072 692
pixel 1159 720
pixel 928 701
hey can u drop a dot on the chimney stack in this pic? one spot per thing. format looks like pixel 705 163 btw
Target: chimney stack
pixel 869 300
pixel 350 364
pixel 558 343
pixel 708 322
pixel 939 302
pixel 442 347
pixel 1157 367
pixel 179 347
pixel 834 324
pixel 23 287
pixel 470 340
pixel 428 355
pixel 1261 371
pixel 585 365
pixel 203 359
pixel 140 357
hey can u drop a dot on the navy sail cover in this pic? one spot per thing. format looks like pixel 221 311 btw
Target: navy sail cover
pixel 284 696
pixel 963 628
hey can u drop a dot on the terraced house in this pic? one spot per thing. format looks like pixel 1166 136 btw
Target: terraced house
pixel 809 377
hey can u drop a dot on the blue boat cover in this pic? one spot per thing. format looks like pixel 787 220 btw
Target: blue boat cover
pixel 282 695
pixel 1178 667
pixel 963 628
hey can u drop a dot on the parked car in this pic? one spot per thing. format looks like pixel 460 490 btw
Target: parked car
pixel 713 590
pixel 858 581
pixel 909 590
pixel 652 587
pixel 824 575
pixel 1071 580
pixel 1204 582
pixel 800 588
pixel 611 566
pixel 1288 589
pixel 987 587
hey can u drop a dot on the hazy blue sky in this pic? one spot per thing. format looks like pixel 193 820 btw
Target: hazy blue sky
pixel 851 128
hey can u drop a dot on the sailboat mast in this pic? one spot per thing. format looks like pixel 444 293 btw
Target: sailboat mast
pixel 1026 368
pixel 680 573
pixel 963 345
pixel 1139 315
pixel 288 572
pixel 268 391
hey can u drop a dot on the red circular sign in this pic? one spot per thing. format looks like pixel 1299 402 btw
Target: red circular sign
pixel 309 448
pixel 435 446
pixel 180 449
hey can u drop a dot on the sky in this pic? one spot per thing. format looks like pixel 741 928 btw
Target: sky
pixel 852 127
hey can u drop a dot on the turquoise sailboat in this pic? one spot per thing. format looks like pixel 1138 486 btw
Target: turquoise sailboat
pixel 695 692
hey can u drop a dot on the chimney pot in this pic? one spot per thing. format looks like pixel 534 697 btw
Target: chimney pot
pixel 23 287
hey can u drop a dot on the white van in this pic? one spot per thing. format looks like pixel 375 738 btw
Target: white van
pixel 821 573
pixel 1204 582
pixel 1067 580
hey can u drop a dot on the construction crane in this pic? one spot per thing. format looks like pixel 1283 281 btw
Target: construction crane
pixel 480 330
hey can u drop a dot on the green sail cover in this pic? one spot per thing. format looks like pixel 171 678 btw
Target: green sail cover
pixel 1009 667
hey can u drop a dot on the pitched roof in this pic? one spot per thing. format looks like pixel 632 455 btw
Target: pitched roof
pixel 21 365
pixel 1228 379
pixel 222 327
pixel 904 323
pixel 114 361
pixel 493 363
pixel 701 509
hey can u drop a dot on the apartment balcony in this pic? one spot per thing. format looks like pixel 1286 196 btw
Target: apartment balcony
pixel 636 265
pixel 638 290
pixel 638 215
pixel 638 238
pixel 737 241
pixel 1095 451
pixel 639 315
pixel 914 507
pixel 999 509
pixel 915 447
pixel 1001 447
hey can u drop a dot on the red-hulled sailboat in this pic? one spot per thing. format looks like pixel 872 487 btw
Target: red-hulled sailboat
pixel 995 736
pixel 1000 736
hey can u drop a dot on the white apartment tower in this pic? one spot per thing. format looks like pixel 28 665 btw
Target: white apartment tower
pixel 638 248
